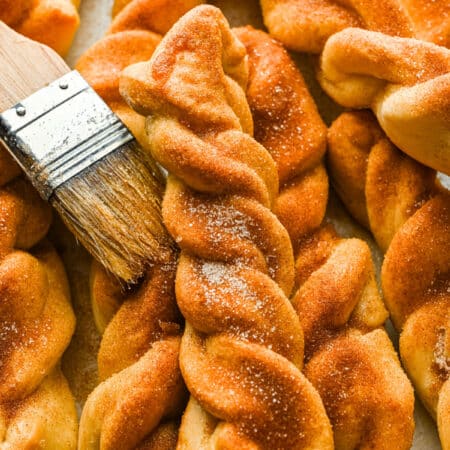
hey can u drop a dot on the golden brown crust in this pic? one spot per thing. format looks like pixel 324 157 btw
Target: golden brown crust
pixel 198 130
pixel 158 15
pixel 348 356
pixel 405 82
pixel 411 220
pixel 418 260
pixel 129 406
pixel 36 324
pixel 164 438
pixel 142 386
pixel 118 5
pixel 52 22
pixel 413 274
pixel 367 396
pixel 426 359
pixel 288 125
pixel 341 294
pixel 379 185
pixel 305 25
pixel 142 393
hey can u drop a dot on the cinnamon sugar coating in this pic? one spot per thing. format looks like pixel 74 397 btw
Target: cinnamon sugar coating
pixel 408 213
pixel 37 322
pixel 157 16
pixel 405 82
pixel 52 22
pixel 424 314
pixel 132 37
pixel 288 125
pixel 381 186
pixel 431 20
pixel 349 357
pixel 242 347
pixel 142 394
pixel 305 25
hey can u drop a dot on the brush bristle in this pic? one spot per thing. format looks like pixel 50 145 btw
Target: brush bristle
pixel 114 209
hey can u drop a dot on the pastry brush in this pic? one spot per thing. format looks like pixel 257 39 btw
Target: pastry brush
pixel 80 157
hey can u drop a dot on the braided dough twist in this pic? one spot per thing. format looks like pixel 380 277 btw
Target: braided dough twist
pixel 409 215
pixel 36 406
pixel 52 22
pixel 288 125
pixel 305 25
pixel 242 347
pixel 142 393
pixel 350 359
pixel 405 82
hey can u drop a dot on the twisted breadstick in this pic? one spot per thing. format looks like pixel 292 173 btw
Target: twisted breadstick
pixel 36 406
pixel 350 359
pixel 242 347
pixel 406 82
pixel 142 393
pixel 305 25
pixel 410 217
pixel 52 22
pixel 288 125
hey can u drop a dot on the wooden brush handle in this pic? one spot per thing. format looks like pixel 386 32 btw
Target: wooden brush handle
pixel 26 66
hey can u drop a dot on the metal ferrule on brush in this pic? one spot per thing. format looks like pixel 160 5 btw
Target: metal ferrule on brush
pixel 60 131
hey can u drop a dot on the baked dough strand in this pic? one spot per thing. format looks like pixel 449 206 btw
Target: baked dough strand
pixel 242 349
pixel 142 394
pixel 305 25
pixel 350 359
pixel 408 212
pixel 37 408
pixel 405 82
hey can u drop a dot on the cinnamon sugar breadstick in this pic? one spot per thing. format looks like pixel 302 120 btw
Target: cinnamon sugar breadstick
pixel 288 125
pixel 142 395
pixel 242 348
pixel 37 408
pixel 409 216
pixel 350 359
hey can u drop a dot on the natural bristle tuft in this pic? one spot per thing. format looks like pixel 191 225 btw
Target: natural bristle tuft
pixel 114 208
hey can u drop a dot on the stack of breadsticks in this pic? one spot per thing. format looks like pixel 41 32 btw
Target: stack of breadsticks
pixel 406 83
pixel 403 203
pixel 141 396
pixel 280 341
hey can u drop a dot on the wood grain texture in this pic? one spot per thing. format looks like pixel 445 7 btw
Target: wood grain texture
pixel 26 66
